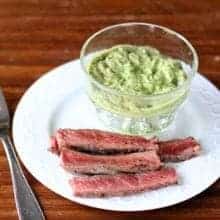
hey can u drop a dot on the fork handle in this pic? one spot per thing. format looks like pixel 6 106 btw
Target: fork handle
pixel 26 202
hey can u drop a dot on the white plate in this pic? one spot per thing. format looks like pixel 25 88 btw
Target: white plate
pixel 57 100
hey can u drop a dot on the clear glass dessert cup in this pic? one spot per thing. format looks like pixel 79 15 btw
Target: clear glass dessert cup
pixel 138 114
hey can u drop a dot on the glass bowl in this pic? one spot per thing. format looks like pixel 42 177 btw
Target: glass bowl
pixel 138 114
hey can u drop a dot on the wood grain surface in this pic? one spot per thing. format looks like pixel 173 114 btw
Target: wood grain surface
pixel 37 35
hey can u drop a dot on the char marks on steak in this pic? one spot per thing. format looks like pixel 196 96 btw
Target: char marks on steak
pixel 73 161
pixel 178 149
pixel 122 184
pixel 97 141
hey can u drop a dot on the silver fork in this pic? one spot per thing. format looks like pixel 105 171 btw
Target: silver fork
pixel 27 205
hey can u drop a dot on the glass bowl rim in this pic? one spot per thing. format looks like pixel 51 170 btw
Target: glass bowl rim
pixel 151 25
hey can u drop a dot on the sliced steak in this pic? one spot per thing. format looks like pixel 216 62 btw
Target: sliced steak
pixel 54 148
pixel 74 161
pixel 122 184
pixel 97 141
pixel 178 149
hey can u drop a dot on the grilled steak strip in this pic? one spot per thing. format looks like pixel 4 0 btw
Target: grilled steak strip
pixel 97 141
pixel 78 162
pixel 122 184
pixel 178 149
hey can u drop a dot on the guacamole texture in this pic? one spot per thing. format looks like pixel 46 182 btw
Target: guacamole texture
pixel 135 73
pixel 136 70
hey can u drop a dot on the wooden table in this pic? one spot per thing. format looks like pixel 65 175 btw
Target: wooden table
pixel 37 35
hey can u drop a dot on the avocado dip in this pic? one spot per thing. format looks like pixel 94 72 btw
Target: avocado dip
pixel 136 70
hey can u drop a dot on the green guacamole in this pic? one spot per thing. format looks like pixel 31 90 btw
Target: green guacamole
pixel 137 70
